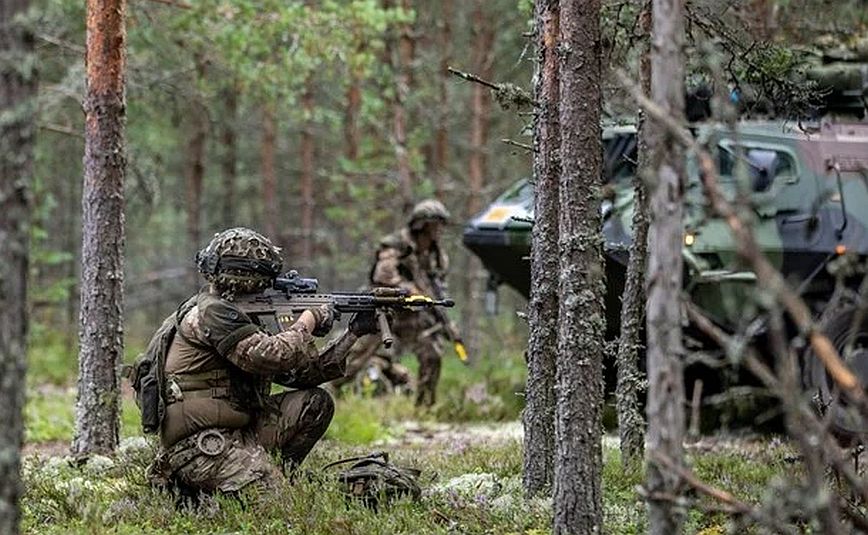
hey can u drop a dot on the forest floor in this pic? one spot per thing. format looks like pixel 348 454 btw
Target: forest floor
pixel 468 448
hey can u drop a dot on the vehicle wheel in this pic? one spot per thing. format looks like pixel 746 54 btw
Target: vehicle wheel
pixel 840 328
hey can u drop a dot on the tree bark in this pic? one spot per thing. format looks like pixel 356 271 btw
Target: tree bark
pixel 441 134
pixel 269 174
pixel 17 128
pixel 403 80
pixel 102 259
pixel 307 177
pixel 631 423
pixel 229 162
pixel 195 171
pixel 665 237
pixel 539 412
pixel 578 504
pixel 352 136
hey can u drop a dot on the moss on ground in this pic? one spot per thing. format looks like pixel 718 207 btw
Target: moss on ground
pixel 472 480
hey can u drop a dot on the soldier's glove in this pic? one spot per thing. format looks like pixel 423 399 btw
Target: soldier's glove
pixel 325 319
pixel 363 323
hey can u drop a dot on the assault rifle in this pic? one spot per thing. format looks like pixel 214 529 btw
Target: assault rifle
pixel 290 295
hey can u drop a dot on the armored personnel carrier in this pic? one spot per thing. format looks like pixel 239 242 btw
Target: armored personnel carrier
pixel 808 189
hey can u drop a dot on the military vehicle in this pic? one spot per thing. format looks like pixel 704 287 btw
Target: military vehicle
pixel 808 188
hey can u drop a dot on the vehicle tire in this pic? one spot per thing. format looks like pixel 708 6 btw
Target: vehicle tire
pixel 839 326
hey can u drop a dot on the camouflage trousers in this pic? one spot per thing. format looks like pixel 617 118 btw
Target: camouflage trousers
pixel 412 331
pixel 227 460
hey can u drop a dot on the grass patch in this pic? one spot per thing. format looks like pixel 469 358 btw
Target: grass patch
pixel 113 497
pixel 52 357
pixel 355 426
pixel 489 390
pixel 49 415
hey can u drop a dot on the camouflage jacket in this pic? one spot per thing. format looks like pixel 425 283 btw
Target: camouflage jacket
pixel 221 365
pixel 399 263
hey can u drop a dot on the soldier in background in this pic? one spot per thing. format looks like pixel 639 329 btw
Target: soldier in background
pixel 412 259
pixel 221 422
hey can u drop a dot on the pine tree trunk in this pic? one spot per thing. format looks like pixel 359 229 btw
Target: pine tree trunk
pixel 307 177
pixel 631 423
pixel 539 412
pixel 17 127
pixel 480 110
pixel 441 134
pixel 403 80
pixel 578 503
pixel 102 261
pixel 352 137
pixel 195 171
pixel 269 174
pixel 229 162
pixel 665 238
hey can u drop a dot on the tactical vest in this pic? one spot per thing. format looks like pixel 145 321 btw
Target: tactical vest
pixel 203 388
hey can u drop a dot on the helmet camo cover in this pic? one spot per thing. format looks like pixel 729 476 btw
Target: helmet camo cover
pixel 240 260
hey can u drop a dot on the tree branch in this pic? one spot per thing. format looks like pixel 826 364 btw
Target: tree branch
pixel 174 3
pixel 517 144
pixel 470 77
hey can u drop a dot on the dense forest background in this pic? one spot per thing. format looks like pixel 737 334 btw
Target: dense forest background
pixel 320 123
pixel 315 125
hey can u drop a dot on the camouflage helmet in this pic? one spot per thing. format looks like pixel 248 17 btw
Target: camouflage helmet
pixel 240 260
pixel 428 210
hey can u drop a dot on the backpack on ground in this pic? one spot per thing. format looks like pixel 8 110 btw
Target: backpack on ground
pixel 147 375
pixel 373 478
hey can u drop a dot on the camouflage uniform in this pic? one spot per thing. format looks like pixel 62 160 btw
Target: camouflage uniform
pixel 221 423
pixel 400 263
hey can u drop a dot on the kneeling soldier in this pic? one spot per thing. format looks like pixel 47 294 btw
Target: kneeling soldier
pixel 221 422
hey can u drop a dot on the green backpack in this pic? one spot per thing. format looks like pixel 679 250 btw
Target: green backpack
pixel 372 478
pixel 147 375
